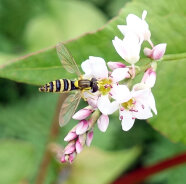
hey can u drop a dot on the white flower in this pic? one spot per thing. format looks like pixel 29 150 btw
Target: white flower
pixel 137 26
pixel 139 106
pixel 128 48
pixel 96 67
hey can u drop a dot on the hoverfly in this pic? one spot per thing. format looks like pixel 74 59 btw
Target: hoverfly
pixel 65 85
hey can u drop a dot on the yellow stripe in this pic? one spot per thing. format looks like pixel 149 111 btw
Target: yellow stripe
pixel 69 85
pixel 54 86
pixel 62 85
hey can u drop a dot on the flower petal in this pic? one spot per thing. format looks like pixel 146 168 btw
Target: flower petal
pixel 142 111
pixel 119 46
pixel 120 74
pixel 139 26
pixel 128 48
pixel 105 106
pixel 149 77
pixel 124 29
pixel 95 67
pixel 120 93
pixel 114 65
pixel 103 122
pixel 127 120
pixel 151 102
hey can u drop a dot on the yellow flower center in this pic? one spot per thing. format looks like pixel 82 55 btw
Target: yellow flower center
pixel 128 105
pixel 105 86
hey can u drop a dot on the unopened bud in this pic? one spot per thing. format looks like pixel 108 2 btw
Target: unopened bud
pixel 83 113
pixel 82 127
pixel 70 136
pixel 70 147
pixel 157 52
pixel 89 138
pixel 103 122
pixel 72 156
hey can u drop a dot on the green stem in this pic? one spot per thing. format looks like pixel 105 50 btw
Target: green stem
pixel 94 118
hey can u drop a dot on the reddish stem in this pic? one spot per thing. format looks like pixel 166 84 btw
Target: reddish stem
pixel 143 173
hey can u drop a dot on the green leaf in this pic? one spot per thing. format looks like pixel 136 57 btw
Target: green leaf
pixel 170 95
pixel 97 166
pixel 165 21
pixel 29 119
pixel 16 161
pixel 60 21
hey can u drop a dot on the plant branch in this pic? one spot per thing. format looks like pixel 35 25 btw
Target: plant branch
pixel 54 131
pixel 141 174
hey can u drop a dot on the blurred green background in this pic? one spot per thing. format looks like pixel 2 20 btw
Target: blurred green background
pixel 26 116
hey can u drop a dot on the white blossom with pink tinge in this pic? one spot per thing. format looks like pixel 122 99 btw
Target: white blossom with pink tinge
pixel 128 48
pixel 136 104
pixel 106 82
pixel 138 27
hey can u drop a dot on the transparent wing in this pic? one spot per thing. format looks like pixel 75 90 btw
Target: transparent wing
pixel 67 59
pixel 68 108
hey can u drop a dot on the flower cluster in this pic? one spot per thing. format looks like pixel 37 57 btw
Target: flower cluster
pixel 116 91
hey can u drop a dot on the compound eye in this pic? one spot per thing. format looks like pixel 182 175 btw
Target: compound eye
pixel 94 88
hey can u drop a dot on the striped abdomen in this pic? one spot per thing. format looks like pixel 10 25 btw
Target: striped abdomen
pixel 60 86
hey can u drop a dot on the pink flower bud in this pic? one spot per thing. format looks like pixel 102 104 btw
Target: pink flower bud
pixel 82 127
pixel 149 77
pixel 82 114
pixel 114 65
pixel 70 148
pixel 148 52
pixel 157 52
pixel 70 136
pixel 72 156
pixel 89 137
pixel 79 146
pixel 63 160
pixel 103 122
